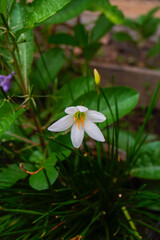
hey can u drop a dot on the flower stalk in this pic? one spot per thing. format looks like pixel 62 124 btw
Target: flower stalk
pixel 130 221
pixel 97 82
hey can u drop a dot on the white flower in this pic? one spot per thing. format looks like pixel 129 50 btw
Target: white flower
pixel 81 120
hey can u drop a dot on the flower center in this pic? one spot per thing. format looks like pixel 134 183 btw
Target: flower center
pixel 79 118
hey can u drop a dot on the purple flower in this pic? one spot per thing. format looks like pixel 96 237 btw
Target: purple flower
pixel 5 81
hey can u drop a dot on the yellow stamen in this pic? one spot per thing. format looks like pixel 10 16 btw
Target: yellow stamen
pixel 79 118
pixel 82 121
pixel 76 121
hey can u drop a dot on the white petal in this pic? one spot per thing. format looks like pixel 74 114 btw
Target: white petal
pixel 82 108
pixel 93 131
pixel 95 116
pixel 62 124
pixel 77 135
pixel 71 110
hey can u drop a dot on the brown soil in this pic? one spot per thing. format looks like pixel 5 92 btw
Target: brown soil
pixel 125 53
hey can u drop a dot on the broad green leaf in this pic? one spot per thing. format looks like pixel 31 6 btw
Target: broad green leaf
pixel 63 38
pixel 148 24
pixel 26 41
pixel 17 16
pixel 71 10
pixel 122 37
pixel 10 175
pixel 114 14
pixel 47 68
pixel 127 99
pixel 155 50
pixel 110 11
pixel 8 114
pixel 150 27
pixel 131 24
pixel 81 35
pixel 91 50
pixel 14 132
pixel 148 164
pixel 39 181
pixel 5 6
pixel 26 50
pixel 60 151
pixel 101 27
pixel 144 18
pixel 73 90
pixel 42 10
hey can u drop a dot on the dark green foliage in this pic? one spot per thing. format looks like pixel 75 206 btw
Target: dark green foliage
pixel 155 50
pixel 145 25
pixel 102 26
pixel 47 68
pixel 123 37
pixel 48 189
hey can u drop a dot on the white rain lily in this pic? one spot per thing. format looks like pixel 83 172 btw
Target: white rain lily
pixel 81 120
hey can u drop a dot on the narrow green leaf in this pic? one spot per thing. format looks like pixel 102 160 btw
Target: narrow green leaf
pixel 125 140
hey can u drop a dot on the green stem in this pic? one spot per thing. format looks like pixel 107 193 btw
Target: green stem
pixel 76 161
pixel 48 181
pixel 17 70
pixel 42 57
pixel 19 74
pixel 130 221
pixel 36 121
pixel 21 138
pixel 98 143
pixel 38 126
pixel 23 211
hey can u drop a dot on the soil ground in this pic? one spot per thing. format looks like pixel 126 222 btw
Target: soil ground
pixel 124 53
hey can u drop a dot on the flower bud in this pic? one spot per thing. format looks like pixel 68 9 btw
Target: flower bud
pixel 97 77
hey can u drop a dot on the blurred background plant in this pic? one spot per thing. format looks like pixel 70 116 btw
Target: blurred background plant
pixel 100 191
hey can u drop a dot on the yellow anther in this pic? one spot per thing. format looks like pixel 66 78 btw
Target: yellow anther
pixel 79 118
